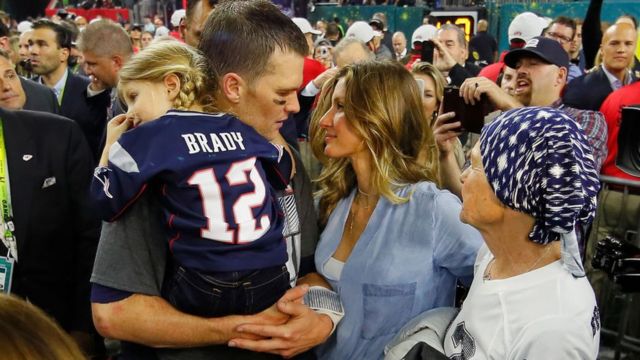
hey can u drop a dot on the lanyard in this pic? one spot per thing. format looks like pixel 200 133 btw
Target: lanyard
pixel 7 227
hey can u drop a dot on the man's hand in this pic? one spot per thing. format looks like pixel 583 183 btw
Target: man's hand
pixel 273 316
pixel 304 329
pixel 473 88
pixel 324 77
pixel 442 59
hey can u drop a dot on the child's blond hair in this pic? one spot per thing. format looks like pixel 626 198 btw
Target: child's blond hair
pixel 163 58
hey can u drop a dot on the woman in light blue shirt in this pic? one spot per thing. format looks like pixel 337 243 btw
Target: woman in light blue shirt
pixel 393 245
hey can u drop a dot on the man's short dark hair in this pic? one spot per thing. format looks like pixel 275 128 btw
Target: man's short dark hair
pixel 240 37
pixel 64 35
pixel 4 30
pixel 566 21
pixel 332 29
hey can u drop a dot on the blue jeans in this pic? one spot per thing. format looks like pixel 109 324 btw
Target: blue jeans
pixel 226 293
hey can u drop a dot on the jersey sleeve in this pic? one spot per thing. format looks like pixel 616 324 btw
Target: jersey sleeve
pixel 132 163
pixel 557 337
pixel 278 172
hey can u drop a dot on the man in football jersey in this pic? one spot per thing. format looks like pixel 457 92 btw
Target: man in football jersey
pixel 129 269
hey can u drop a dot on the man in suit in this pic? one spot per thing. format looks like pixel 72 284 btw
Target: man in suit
pixel 106 47
pixel 18 93
pixel 49 168
pixel 589 91
pixel 39 97
pixel 49 47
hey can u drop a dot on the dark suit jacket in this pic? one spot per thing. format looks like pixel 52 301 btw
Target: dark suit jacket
pixel 89 112
pixel 588 91
pixel 56 233
pixel 39 97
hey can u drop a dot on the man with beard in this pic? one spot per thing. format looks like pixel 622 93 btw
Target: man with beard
pixel 541 74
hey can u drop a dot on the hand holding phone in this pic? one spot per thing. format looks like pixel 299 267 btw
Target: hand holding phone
pixel 471 116
pixel 426 53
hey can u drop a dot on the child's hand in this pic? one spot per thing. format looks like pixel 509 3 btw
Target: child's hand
pixel 115 128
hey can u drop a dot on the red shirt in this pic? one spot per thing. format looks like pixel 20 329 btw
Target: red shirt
pixel 312 68
pixel 612 110
pixel 492 71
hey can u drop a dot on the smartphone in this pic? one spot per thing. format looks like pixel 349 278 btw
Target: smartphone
pixel 420 83
pixel 426 54
pixel 470 116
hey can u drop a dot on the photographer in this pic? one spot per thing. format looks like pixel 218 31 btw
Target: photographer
pixel 452 51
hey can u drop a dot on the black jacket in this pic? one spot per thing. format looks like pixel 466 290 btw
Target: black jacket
pixel 49 170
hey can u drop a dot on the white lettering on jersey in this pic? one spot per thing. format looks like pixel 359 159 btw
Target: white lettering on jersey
pixel 227 141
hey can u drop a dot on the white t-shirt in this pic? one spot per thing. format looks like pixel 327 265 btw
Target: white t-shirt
pixel 543 314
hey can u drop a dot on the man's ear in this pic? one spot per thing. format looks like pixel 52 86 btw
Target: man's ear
pixel 64 54
pixel 172 83
pixel 231 86
pixel 4 43
pixel 563 72
pixel 118 61
pixel 183 28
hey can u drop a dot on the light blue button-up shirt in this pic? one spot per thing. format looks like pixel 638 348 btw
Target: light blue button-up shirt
pixel 405 262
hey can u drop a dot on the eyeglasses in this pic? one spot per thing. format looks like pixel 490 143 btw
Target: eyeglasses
pixel 561 38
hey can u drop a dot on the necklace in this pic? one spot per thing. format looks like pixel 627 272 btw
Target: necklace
pixel 366 196
pixel 353 214
pixel 487 272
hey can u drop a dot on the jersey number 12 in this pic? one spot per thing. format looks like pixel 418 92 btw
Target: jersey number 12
pixel 213 203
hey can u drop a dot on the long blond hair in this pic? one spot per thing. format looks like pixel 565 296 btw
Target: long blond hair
pixel 384 107
pixel 163 58
pixel 26 332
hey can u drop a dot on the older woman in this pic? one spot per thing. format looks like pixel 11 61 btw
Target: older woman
pixel 393 245
pixel 531 181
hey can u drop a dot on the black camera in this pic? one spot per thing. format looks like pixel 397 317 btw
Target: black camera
pixel 620 260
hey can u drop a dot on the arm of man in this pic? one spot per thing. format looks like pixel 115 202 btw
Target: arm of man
pixel 132 257
pixel 152 321
pixel 591 32
pixel 473 88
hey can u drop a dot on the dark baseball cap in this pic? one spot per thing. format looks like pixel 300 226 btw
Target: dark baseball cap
pixel 548 50
pixel 137 27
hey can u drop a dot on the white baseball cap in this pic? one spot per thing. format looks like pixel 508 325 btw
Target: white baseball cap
pixel 177 16
pixel 24 26
pixel 424 33
pixel 526 26
pixel 161 31
pixel 362 31
pixel 305 26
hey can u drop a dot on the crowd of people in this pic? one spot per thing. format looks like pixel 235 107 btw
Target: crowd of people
pixel 248 186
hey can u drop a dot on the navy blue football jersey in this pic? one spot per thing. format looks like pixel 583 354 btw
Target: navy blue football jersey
pixel 211 173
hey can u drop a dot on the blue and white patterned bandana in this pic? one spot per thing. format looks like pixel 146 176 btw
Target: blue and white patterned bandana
pixel 538 161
